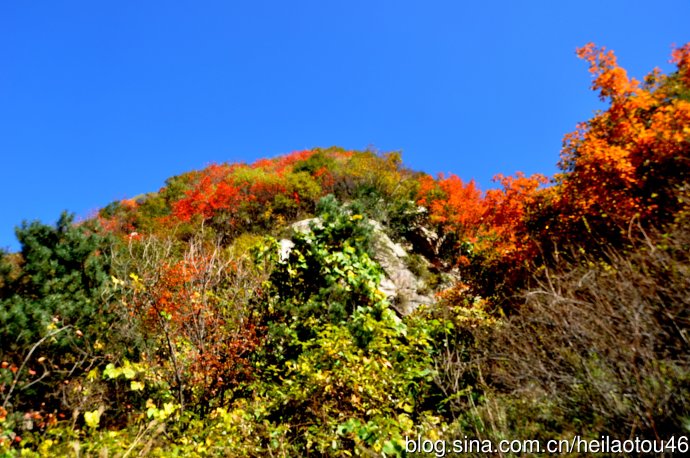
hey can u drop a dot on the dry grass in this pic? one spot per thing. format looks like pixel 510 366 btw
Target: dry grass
pixel 606 341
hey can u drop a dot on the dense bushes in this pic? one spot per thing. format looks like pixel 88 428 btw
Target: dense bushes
pixel 599 347
pixel 606 340
pixel 55 316
pixel 339 368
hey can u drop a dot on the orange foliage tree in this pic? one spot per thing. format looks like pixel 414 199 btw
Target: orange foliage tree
pixel 494 222
pixel 456 206
pixel 212 193
pixel 508 213
pixel 626 162
pixel 487 235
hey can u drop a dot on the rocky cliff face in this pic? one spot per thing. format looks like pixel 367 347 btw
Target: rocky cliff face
pixel 404 290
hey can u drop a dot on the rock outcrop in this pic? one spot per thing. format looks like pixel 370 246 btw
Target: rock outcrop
pixel 402 288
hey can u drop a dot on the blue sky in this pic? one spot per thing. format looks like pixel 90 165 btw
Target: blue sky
pixel 104 100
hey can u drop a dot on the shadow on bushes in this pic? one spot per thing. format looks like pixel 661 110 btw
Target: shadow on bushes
pixel 599 347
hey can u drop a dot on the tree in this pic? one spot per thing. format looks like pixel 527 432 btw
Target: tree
pixel 628 161
pixel 52 309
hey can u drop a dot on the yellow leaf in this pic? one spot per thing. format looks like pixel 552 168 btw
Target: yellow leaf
pixel 93 374
pixel 93 418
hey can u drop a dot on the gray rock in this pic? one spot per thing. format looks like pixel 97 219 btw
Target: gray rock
pixel 400 285
pixel 426 241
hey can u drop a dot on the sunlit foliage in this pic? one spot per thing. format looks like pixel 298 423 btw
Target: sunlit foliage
pixel 628 161
pixel 240 310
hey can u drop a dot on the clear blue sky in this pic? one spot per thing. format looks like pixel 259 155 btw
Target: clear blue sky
pixel 102 100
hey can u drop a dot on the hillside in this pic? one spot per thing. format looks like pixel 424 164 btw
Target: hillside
pixel 336 303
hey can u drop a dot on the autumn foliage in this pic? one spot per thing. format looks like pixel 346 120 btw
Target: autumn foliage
pixel 184 321
pixel 629 161
pixel 204 344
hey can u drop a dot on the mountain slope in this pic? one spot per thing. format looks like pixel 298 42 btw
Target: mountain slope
pixel 335 303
